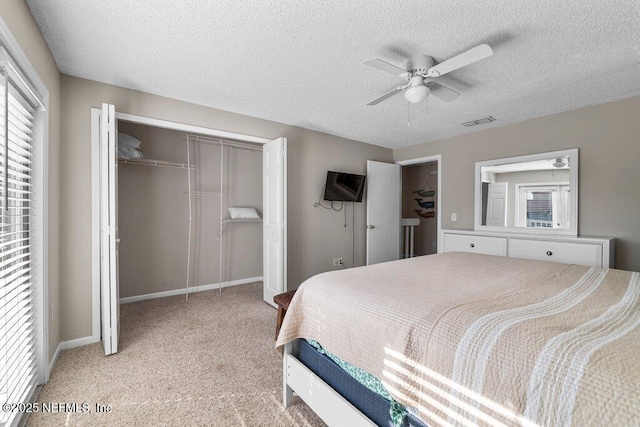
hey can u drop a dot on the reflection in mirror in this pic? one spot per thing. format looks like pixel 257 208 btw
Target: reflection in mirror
pixel 528 193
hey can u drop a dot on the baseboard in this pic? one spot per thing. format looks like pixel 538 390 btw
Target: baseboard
pixel 54 359
pixel 65 345
pixel 78 342
pixel 191 290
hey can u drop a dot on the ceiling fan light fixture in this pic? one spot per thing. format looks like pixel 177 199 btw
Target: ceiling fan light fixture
pixel 559 162
pixel 418 92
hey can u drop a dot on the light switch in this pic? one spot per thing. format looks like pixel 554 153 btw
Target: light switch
pixel 454 217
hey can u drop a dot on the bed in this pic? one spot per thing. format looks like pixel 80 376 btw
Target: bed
pixel 467 339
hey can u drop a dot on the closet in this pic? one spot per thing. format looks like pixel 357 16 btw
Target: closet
pixel 175 233
pixel 160 223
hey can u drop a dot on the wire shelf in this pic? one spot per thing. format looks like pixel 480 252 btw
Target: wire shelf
pixel 205 193
pixel 156 163
pixel 225 220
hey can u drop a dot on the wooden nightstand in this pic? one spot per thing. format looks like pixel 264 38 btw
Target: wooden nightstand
pixel 282 301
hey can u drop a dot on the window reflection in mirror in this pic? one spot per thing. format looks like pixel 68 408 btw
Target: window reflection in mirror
pixel 533 194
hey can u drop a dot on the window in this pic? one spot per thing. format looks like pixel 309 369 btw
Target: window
pixel 22 222
pixel 543 206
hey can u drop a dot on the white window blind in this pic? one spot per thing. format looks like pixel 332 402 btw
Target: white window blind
pixel 17 308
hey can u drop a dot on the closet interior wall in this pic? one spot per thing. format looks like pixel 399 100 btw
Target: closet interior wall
pixel 154 214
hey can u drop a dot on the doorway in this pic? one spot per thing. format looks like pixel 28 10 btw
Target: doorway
pixel 385 207
pixel 419 200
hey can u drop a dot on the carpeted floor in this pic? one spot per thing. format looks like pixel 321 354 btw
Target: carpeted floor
pixel 208 361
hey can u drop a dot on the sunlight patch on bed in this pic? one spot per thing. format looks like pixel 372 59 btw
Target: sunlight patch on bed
pixel 434 381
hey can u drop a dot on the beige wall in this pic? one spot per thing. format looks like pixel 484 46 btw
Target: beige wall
pixel 17 16
pixel 315 236
pixel 413 179
pixel 154 212
pixel 608 136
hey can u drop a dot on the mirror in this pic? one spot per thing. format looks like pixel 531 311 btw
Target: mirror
pixel 537 193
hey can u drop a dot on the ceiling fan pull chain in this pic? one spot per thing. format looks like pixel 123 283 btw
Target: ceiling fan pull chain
pixel 408 114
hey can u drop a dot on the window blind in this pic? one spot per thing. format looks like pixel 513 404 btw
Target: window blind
pixel 540 205
pixel 17 317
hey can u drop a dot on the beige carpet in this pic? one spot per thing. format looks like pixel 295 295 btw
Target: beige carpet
pixel 208 361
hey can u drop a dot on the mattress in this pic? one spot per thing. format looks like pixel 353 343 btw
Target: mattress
pixel 376 407
pixel 475 339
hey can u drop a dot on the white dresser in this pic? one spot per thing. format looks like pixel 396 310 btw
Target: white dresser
pixel 591 251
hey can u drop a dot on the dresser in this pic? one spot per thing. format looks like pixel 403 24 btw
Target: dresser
pixel 590 251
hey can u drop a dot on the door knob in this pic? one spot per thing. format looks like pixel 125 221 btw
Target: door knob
pixel 371 227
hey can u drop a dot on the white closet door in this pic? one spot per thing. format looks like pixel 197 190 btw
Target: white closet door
pixel 109 229
pixel 274 245
pixel 384 182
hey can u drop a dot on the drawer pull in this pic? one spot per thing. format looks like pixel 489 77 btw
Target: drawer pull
pixel 472 245
pixel 549 253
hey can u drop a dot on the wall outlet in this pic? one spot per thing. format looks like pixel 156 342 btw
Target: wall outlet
pixel 337 262
pixel 454 217
pixel 340 261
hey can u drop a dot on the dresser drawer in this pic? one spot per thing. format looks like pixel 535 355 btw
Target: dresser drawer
pixel 475 244
pixel 566 252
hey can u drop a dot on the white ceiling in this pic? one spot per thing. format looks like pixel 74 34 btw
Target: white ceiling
pixel 299 62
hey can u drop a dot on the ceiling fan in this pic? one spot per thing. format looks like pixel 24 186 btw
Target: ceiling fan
pixel 421 67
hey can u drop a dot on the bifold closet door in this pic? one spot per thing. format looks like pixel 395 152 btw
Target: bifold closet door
pixel 109 240
pixel 274 245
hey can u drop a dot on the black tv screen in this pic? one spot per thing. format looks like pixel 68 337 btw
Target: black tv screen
pixel 344 187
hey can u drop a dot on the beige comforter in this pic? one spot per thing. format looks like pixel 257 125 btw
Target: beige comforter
pixel 473 339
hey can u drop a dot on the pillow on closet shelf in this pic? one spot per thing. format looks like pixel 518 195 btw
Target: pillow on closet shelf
pixel 243 213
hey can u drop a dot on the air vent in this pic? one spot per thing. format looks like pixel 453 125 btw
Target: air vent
pixel 479 121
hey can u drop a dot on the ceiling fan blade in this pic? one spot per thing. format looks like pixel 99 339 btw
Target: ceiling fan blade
pixel 469 57
pixel 386 95
pixel 442 92
pixel 384 66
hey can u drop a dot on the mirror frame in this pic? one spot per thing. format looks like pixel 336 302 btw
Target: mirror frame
pixel 573 180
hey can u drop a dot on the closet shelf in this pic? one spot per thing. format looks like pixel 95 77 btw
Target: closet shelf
pixel 225 220
pixel 157 163
pixel 205 193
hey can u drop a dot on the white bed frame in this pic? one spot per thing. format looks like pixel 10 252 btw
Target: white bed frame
pixel 328 404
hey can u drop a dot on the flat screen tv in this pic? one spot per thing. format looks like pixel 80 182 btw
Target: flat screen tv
pixel 344 187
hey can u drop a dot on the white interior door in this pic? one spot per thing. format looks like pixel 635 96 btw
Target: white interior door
pixel 274 245
pixel 497 204
pixel 384 185
pixel 109 229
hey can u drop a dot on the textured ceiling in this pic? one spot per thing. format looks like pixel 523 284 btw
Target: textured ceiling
pixel 299 62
